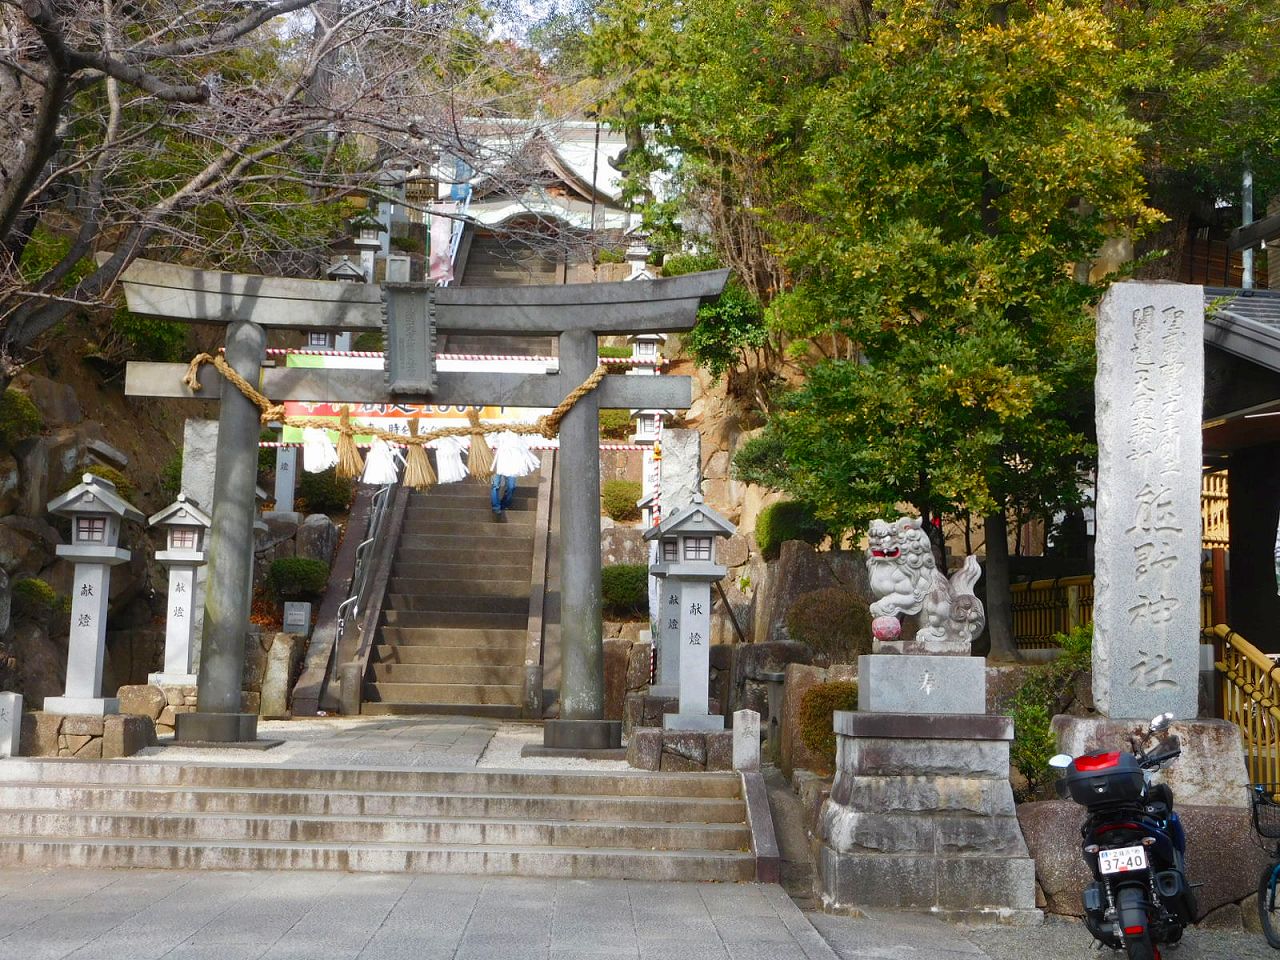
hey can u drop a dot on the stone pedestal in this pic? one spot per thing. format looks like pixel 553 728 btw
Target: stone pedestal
pixel 921 817
pixel 909 683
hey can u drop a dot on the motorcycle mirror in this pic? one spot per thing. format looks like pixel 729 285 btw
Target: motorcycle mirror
pixel 1161 723
pixel 1060 762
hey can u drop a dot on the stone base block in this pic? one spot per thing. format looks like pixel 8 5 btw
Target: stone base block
pixel 84 736
pixel 922 684
pixel 991 887
pixel 647 710
pixel 216 727
pixel 1210 772
pixel 582 734
pixel 172 679
pixel 651 748
pixel 692 721
pixel 86 706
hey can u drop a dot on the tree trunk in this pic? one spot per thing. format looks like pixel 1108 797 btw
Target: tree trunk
pixel 999 609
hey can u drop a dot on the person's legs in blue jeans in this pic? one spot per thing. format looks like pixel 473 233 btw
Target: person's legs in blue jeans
pixel 509 495
pixel 495 493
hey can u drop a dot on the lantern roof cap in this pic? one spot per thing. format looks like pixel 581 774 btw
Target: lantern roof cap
pixel 697 517
pixel 93 494
pixel 184 511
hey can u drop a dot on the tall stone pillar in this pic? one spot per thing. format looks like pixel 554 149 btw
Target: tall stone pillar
pixel 1148 396
pixel 218 715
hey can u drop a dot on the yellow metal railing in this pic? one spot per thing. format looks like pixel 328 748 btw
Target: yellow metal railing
pixel 1251 700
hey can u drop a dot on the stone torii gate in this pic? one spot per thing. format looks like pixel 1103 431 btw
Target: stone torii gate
pixel 410 315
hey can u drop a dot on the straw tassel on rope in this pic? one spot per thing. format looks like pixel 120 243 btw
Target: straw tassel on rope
pixel 480 459
pixel 349 463
pixel 418 474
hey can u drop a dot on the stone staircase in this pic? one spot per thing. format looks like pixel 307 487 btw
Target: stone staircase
pixel 538 824
pixel 453 632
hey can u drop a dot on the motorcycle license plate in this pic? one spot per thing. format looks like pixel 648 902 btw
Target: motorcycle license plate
pixel 1122 860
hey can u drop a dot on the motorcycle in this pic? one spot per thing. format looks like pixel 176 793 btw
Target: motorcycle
pixel 1133 842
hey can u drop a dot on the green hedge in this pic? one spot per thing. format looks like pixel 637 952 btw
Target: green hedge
pixel 788 520
pixel 817 706
pixel 1047 690
pixel 615 424
pixel 615 352
pixel 618 497
pixel 834 621
pixel 19 418
pixel 323 492
pixel 624 589
pixel 297 578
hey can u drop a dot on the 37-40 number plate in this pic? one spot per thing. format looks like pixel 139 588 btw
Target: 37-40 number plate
pixel 1122 860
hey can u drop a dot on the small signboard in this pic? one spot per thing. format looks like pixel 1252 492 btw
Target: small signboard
pixel 297 618
pixel 411 338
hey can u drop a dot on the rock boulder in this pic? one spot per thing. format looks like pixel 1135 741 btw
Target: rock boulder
pixel 317 538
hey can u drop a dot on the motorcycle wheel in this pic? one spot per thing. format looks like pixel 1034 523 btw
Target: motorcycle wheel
pixel 1267 905
pixel 1141 948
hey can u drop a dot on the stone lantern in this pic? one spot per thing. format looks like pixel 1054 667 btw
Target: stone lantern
pixel 686 562
pixel 95 510
pixel 647 348
pixel 648 424
pixel 185 526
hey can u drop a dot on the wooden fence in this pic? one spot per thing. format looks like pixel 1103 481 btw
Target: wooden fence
pixel 1250 697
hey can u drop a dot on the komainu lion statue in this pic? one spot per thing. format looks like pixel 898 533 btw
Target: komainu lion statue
pixel 905 580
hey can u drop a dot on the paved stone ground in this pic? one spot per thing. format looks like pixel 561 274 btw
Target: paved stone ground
pixel 890 936
pixel 184 915
pixel 428 742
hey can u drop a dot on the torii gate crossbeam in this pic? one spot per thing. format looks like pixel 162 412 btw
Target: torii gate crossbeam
pixel 576 313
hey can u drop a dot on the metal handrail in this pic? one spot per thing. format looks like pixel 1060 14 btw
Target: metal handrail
pixel 352 606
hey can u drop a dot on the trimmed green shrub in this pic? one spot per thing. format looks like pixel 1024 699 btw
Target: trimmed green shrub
pixel 817 706
pixel 835 621
pixel 124 486
pixel 370 340
pixel 615 424
pixel 611 255
pixel 788 520
pixel 619 499
pixel 324 492
pixel 1047 691
pixel 297 578
pixel 624 589
pixel 19 418
pixel 34 600
pixel 617 353
pixel 267 455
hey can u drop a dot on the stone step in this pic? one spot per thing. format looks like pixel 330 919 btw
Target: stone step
pixel 512 655
pixel 478 568
pixel 480 639
pixel 468 492
pixel 301 803
pixel 507 539
pixel 458 556
pixel 451 618
pixel 357 781
pixel 491 710
pixel 479 514
pixel 496 606
pixel 485 528
pixel 532 861
pixel 230 829
pixel 494 587
pixel 447 673
pixel 393 692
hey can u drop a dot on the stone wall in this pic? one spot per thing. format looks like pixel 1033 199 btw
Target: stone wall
pixel 86 738
pixel 626 667
pixel 680 750
pixel 160 704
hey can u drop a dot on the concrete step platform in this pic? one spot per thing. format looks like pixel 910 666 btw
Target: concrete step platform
pixel 229 828
pixel 530 861
pixel 513 604
pixel 455 619
pixel 486 528
pixel 512 517
pixel 511 675
pixel 504 695
pixel 469 638
pixel 468 491
pixel 490 587
pixel 509 656
pixel 499 538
